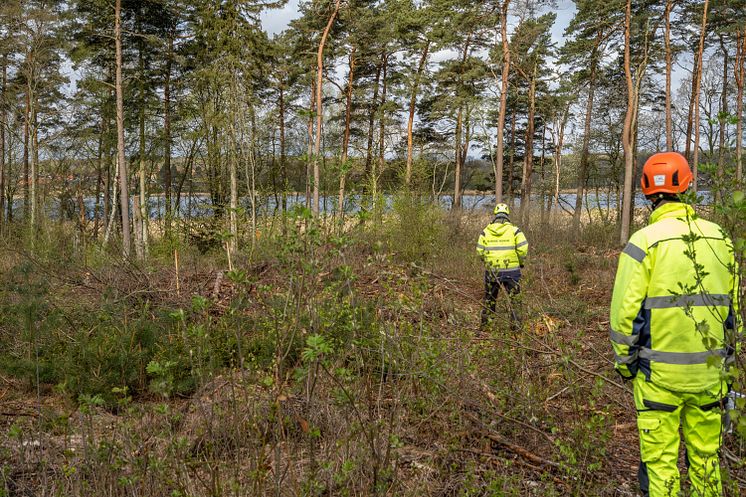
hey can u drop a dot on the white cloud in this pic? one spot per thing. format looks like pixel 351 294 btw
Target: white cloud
pixel 276 21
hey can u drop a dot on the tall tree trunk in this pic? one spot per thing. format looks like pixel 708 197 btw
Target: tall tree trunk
pixel 739 75
pixel 283 154
pixel 3 125
pixel 499 152
pixel 698 81
pixel 34 140
pixel 99 182
pixel 627 133
pixel 528 163
pixel 542 166
pixel 669 62
pixel 167 176
pixel 310 143
pixel 26 180
pixel 346 137
pixel 457 171
pixel 109 186
pixel 124 205
pixel 585 152
pixel 560 125
pixel 382 129
pixel 722 117
pixel 460 158
pixel 412 105
pixel 690 113
pixel 511 159
pixel 319 109
pixel 233 166
pixel 139 200
pixel 371 120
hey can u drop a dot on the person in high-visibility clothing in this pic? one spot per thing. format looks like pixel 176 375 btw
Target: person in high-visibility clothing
pixel 503 248
pixel 673 330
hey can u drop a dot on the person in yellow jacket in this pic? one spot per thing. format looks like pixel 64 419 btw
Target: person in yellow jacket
pixel 503 248
pixel 673 330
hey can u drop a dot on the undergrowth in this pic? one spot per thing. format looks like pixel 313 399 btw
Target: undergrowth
pixel 327 361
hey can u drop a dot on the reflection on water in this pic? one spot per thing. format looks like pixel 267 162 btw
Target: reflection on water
pixel 200 206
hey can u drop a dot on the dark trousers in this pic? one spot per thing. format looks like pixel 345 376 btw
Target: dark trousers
pixel 493 283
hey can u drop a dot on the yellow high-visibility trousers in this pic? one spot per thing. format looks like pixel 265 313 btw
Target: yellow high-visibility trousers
pixel 659 414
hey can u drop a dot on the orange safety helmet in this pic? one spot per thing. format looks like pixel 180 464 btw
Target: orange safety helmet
pixel 665 172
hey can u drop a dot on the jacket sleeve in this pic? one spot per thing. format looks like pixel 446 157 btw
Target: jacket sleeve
pixel 630 290
pixel 734 323
pixel 481 243
pixel 521 246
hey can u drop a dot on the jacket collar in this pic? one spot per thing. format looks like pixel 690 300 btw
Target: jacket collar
pixel 672 210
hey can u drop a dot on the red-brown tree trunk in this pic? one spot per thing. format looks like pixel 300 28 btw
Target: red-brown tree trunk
pixel 319 108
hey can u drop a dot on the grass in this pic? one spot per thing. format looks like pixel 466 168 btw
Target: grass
pixel 323 364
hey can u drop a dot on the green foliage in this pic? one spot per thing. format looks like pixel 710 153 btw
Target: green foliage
pixel 416 229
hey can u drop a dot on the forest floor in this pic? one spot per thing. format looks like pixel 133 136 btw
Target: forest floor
pixel 327 365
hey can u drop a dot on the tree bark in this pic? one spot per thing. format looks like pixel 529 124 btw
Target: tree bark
pixel 3 124
pixel 698 82
pixel 283 153
pixel 381 130
pixel 500 147
pixel 457 171
pixel 26 180
pixel 511 159
pixel 139 201
pixel 319 109
pixel 233 167
pixel 560 125
pixel 412 105
pixel 739 75
pixel 346 138
pixel 34 140
pixel 669 62
pixel 722 117
pixel 99 182
pixel 528 163
pixel 310 143
pixel 585 152
pixel 371 121
pixel 627 137
pixel 121 162
pixel 460 158
pixel 167 176
pixel 690 113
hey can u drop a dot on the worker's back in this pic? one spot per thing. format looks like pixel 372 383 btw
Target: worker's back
pixel 502 245
pixel 684 294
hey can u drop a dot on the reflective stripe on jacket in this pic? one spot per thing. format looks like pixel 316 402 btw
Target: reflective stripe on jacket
pixel 669 313
pixel 502 246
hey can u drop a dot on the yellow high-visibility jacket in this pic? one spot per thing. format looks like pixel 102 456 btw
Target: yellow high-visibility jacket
pixel 675 302
pixel 502 246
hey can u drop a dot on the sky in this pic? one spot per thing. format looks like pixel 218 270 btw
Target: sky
pixel 276 20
